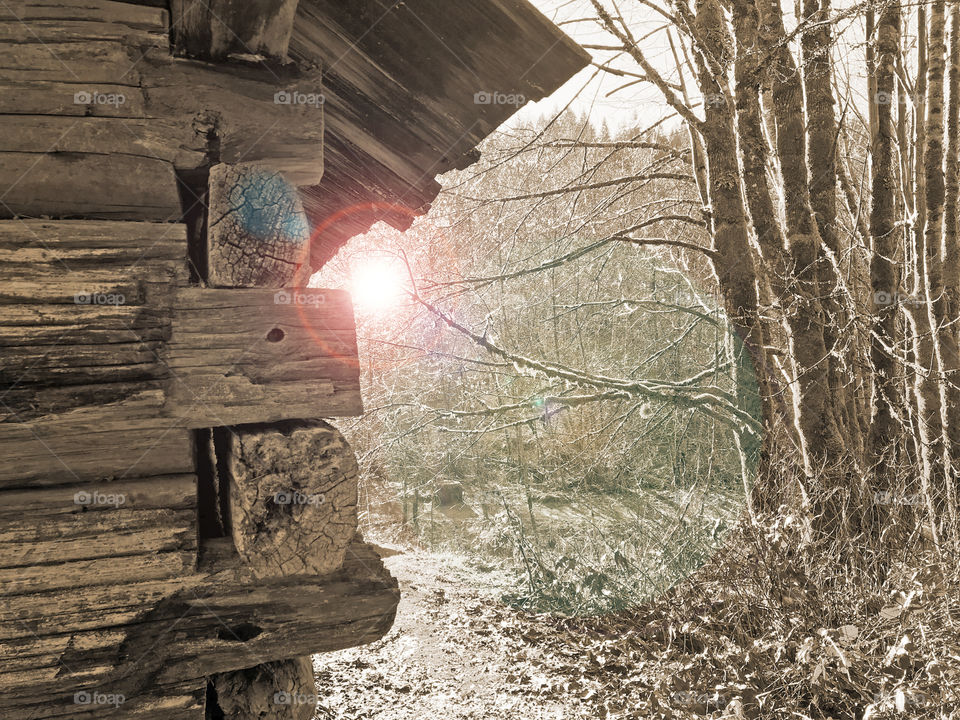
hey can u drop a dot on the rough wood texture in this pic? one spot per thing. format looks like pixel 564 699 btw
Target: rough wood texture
pixel 255 355
pixel 89 308
pixel 214 29
pixel 282 690
pixel 167 140
pixel 118 440
pixel 151 635
pixel 73 58
pixel 107 65
pixel 258 234
pixel 274 117
pixel 79 540
pixel 293 497
pixel 109 533
pixel 411 88
pixel 41 21
pixel 59 185
pixel 99 341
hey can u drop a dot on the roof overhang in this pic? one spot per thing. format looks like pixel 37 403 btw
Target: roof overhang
pixel 411 88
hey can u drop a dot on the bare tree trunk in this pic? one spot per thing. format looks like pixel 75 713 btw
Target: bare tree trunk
pixel 822 443
pixel 913 241
pixel 929 198
pixel 950 310
pixel 757 192
pixel 920 106
pixel 734 259
pixel 871 58
pixel 942 339
pixel 884 272
pixel 822 139
pixel 951 228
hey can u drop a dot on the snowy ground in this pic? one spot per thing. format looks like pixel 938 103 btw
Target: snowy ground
pixel 454 653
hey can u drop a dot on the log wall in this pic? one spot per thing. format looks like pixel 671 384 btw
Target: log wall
pixel 163 371
pixel 113 354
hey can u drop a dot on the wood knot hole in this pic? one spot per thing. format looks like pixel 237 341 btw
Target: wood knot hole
pixel 239 633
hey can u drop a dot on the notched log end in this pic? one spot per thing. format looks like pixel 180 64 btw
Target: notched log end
pixel 258 232
pixel 293 497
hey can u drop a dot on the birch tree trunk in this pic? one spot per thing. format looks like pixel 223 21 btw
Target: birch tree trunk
pixel 950 308
pixel 884 272
pixel 822 443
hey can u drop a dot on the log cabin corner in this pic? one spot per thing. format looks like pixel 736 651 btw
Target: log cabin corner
pixel 179 517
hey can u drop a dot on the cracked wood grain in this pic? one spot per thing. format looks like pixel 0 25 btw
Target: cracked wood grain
pixel 293 497
pixel 258 234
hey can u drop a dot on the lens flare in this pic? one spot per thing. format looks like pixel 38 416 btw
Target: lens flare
pixel 377 283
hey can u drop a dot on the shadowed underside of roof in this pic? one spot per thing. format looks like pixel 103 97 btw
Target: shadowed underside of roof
pixel 406 87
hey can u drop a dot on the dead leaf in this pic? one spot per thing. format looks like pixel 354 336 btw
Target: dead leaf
pixel 849 634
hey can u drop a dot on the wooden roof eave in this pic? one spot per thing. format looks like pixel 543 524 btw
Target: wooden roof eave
pixel 400 82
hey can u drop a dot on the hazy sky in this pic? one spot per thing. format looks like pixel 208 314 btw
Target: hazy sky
pixel 643 101
pixel 619 109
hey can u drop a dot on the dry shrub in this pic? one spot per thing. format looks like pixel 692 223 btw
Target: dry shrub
pixel 786 622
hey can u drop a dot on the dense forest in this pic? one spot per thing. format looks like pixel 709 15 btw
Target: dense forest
pixel 705 368
pixel 581 391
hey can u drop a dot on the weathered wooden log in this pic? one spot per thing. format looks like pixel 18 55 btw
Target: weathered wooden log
pixel 273 117
pixel 183 702
pixel 293 496
pixel 57 59
pixel 281 690
pixel 75 536
pixel 128 639
pixel 103 352
pixel 214 29
pixel 118 440
pixel 245 356
pixel 59 185
pixel 167 140
pixel 109 63
pixel 38 21
pixel 258 234
pixel 72 539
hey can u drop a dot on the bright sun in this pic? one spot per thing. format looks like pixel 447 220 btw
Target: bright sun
pixel 377 283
